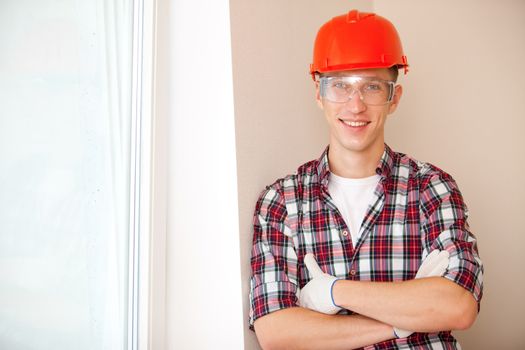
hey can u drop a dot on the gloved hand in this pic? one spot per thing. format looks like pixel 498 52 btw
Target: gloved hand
pixel 434 265
pixel 317 294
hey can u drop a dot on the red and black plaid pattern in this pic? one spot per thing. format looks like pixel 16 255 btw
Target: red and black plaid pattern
pixel 416 208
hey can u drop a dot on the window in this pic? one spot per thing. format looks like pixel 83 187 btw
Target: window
pixel 72 156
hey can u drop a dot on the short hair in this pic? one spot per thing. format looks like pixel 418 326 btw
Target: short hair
pixel 394 72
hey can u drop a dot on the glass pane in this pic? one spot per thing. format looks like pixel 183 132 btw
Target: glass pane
pixel 65 69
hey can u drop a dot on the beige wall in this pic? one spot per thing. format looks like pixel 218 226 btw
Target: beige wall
pixel 463 110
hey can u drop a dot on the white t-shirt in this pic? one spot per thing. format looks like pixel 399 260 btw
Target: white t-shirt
pixel 352 197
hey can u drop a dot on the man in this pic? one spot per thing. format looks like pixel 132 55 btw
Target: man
pixel 363 246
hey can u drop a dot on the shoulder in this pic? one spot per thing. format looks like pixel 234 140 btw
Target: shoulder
pixel 305 172
pixel 288 188
pixel 436 186
pixel 426 174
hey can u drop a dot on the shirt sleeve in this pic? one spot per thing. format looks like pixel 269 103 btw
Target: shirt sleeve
pixel 445 227
pixel 273 285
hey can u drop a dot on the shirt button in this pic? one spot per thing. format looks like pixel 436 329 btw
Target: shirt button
pixel 345 233
pixel 352 272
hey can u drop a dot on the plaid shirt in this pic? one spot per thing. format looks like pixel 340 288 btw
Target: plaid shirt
pixel 416 208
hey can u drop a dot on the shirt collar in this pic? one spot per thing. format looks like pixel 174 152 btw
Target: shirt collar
pixel 384 167
pixel 386 163
pixel 323 169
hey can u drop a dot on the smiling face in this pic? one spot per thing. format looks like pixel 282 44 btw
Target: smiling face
pixel 355 127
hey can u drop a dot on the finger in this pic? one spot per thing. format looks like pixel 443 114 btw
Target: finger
pixel 441 264
pixel 432 256
pixel 402 333
pixel 428 264
pixel 431 259
pixel 312 266
pixel 444 254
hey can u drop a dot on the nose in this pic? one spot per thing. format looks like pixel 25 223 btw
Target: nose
pixel 355 104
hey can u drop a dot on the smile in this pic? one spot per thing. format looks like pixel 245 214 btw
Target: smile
pixel 354 124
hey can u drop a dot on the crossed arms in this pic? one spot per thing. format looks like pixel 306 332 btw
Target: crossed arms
pixel 425 305
pixel 428 304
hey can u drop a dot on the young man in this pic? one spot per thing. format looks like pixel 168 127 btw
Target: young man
pixel 363 246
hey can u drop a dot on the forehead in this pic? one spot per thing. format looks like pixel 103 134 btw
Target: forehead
pixel 380 73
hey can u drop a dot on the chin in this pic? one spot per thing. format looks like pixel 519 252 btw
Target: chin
pixel 359 147
pixel 355 148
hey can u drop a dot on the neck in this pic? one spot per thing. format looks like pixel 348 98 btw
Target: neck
pixel 354 164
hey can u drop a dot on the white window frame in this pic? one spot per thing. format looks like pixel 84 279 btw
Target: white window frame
pixel 147 258
pixel 164 106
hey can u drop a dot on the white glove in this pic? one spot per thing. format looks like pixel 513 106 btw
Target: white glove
pixel 317 294
pixel 434 265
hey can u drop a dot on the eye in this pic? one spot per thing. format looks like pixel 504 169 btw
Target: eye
pixel 338 84
pixel 374 86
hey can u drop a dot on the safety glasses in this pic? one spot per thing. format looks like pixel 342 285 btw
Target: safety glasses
pixel 341 89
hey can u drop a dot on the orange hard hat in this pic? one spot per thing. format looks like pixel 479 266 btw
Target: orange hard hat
pixel 357 40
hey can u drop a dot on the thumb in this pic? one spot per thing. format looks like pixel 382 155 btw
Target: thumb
pixel 441 264
pixel 312 266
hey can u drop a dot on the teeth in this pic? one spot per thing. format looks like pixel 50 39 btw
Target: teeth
pixel 355 123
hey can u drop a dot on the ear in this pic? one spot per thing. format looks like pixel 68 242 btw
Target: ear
pixel 318 98
pixel 398 92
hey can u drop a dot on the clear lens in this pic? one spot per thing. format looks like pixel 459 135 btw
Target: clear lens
pixel 372 91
